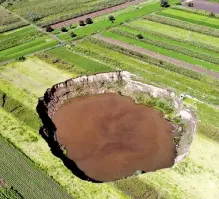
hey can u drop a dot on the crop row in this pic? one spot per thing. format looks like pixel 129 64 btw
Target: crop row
pixel 161 35
pixel 205 88
pixel 19 37
pixel 18 110
pixel 194 11
pixel 183 24
pixel 49 12
pixel 168 46
pixel 9 193
pixel 151 73
pixel 23 175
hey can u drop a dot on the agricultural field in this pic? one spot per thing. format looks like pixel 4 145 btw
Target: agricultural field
pixel 175 48
pixel 9 21
pixel 50 12
pixel 23 41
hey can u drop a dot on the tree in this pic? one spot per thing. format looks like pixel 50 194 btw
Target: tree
pixel 88 21
pixel 63 29
pixel 139 36
pixel 112 18
pixel 49 29
pixel 72 34
pixel 81 23
pixel 164 3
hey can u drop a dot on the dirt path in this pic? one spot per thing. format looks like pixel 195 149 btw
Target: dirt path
pixel 96 14
pixel 182 64
pixel 205 5
pixel 101 130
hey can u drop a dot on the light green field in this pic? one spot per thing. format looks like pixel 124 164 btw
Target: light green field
pixel 33 75
pixel 186 180
pixel 176 32
pixel 190 17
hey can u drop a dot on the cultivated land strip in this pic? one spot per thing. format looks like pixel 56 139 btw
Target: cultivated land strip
pixel 97 13
pixel 182 64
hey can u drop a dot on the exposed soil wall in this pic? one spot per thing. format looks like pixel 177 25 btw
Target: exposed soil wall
pixel 115 82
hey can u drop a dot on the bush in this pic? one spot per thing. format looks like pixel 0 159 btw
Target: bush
pixel 212 14
pixel 73 26
pixel 88 21
pixel 81 23
pixel 190 4
pixel 164 3
pixel 72 34
pixel 21 58
pixel 139 36
pixel 112 18
pixel 64 29
pixel 49 29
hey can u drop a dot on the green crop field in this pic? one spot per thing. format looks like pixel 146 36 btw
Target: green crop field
pixel 27 165
pixel 49 12
pixel 23 41
pixel 9 21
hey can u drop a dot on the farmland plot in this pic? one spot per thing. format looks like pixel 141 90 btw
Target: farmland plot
pixel 23 41
pixel 9 21
pixel 50 12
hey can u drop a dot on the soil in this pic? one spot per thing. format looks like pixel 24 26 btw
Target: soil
pixel 110 137
pixel 176 62
pixel 96 14
pixel 2 183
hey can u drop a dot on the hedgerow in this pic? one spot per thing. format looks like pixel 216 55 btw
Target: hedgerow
pixel 194 43
pixel 176 48
pixel 183 24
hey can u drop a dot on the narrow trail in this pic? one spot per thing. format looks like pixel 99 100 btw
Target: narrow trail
pixel 176 62
pixel 97 13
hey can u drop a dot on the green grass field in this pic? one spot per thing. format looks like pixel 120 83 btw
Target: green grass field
pixel 190 17
pixel 22 42
pixel 27 165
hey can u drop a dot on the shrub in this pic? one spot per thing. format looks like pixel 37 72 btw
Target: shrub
pixel 64 29
pixel 164 3
pixel 81 23
pixel 49 29
pixel 139 36
pixel 21 58
pixel 72 34
pixel 212 14
pixel 190 4
pixel 112 18
pixel 88 21
pixel 73 26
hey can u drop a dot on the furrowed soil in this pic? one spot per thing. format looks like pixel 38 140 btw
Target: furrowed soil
pixel 110 137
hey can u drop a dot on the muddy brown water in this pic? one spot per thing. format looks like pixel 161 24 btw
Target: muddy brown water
pixel 110 137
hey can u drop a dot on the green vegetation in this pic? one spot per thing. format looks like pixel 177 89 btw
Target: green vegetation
pixel 161 50
pixel 9 21
pixel 23 42
pixel 176 32
pixel 9 193
pixel 22 174
pixel 45 13
pixel 105 23
pixel 192 18
pixel 183 24
pixel 78 60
